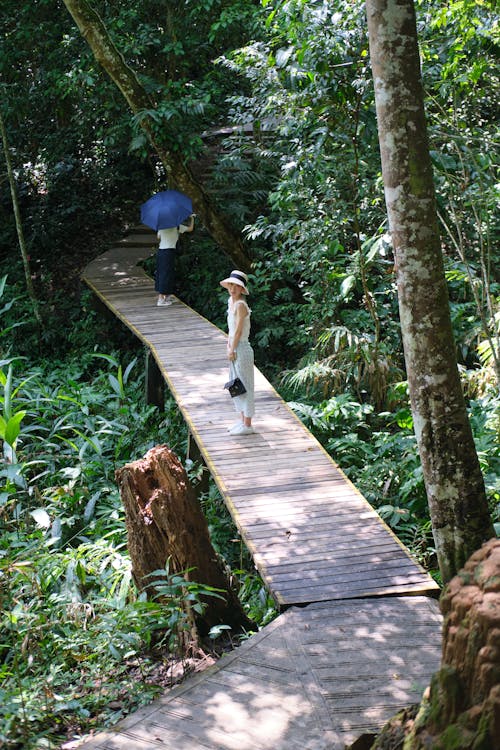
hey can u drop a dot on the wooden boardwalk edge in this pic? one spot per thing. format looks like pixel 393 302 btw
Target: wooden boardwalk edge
pixel 316 678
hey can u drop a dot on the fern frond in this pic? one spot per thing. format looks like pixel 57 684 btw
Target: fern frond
pixel 311 416
pixel 318 376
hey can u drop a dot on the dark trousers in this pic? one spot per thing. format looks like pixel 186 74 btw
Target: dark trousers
pixel 165 271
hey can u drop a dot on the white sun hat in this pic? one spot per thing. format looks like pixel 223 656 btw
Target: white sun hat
pixel 236 277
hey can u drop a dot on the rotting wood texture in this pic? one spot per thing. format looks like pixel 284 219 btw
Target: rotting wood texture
pixel 165 522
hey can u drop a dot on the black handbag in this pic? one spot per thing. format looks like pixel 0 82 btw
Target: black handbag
pixel 235 387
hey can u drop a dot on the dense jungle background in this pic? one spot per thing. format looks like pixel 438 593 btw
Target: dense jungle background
pixel 270 105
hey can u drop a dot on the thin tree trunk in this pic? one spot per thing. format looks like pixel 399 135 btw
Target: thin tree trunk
pixel 455 489
pixel 109 57
pixel 19 224
pixel 165 522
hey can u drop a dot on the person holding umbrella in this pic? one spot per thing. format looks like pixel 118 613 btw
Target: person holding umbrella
pixel 170 214
pixel 165 260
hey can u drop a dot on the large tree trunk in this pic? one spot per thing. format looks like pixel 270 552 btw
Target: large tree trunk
pixel 454 484
pixel 165 522
pixel 180 177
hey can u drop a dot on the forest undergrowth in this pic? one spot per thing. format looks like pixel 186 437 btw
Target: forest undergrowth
pixel 81 647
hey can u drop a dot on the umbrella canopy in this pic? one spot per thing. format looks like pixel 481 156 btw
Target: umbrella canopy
pixel 166 209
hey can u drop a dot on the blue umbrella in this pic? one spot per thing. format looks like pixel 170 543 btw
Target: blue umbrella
pixel 166 209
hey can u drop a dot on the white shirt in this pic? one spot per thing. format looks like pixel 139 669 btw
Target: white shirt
pixel 168 237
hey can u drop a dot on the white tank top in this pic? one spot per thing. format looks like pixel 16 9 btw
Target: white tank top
pixel 231 321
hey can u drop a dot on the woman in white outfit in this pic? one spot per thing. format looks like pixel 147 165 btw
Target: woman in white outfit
pixel 239 351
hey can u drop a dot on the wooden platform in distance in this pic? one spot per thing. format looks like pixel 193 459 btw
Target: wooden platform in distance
pixel 312 535
pixel 314 679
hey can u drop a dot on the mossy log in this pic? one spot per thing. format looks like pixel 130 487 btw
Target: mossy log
pixel 165 522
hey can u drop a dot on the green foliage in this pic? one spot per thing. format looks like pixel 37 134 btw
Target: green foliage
pixel 71 619
pixel 180 600
pixel 460 45
pixel 255 598
pixel 223 533
pixel 485 421
pixel 311 112
pixel 199 269
pixel 226 539
pixel 324 263
pixel 72 634
pixel 69 605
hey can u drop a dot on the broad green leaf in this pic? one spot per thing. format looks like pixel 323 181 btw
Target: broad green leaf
pixel 12 429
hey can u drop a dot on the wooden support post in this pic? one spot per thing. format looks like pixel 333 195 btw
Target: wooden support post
pixel 155 385
pixel 101 308
pixel 165 522
pixel 193 453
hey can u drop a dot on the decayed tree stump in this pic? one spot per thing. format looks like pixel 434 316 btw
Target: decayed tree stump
pixel 164 520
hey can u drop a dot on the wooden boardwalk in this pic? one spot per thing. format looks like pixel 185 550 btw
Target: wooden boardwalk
pixel 312 535
pixel 314 679
pixel 315 541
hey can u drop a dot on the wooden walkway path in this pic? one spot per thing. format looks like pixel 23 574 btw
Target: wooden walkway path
pixel 319 675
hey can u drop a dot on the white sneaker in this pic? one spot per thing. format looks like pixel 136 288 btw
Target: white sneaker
pixel 164 301
pixel 242 429
pixel 234 426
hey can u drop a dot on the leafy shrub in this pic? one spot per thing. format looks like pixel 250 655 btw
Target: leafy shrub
pixel 227 541
pixel 68 599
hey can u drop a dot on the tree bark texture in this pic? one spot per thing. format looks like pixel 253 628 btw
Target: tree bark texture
pixel 164 521
pixel 453 479
pixel 109 57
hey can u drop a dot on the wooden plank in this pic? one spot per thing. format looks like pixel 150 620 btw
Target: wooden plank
pixel 317 514
pixel 308 525
pixel 244 467
pixel 341 565
pixel 273 556
pixel 324 553
pixel 351 570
